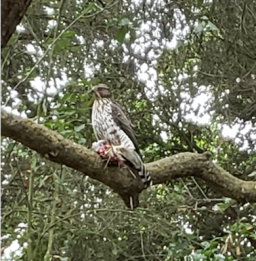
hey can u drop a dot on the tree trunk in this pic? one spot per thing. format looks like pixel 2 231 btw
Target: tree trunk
pixel 12 11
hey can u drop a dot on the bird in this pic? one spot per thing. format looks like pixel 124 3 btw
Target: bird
pixel 114 131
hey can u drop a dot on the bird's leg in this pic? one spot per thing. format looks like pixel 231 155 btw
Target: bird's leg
pixel 112 155
pixel 113 148
pixel 110 149
pixel 107 163
pixel 106 153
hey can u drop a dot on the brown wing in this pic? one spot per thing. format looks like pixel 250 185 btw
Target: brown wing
pixel 124 123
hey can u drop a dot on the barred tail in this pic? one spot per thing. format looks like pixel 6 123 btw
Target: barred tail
pixel 135 160
pixel 146 179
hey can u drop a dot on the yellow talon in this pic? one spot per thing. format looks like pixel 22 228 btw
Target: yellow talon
pixel 112 148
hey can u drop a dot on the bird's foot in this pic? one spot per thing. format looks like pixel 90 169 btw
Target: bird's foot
pixel 114 149
pixel 109 152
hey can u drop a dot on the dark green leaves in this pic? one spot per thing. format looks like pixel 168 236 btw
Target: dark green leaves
pixel 126 28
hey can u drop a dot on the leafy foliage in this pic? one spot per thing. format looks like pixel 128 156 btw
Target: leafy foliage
pixel 185 72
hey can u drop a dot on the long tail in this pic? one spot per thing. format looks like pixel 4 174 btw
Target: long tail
pixel 146 179
pixel 135 160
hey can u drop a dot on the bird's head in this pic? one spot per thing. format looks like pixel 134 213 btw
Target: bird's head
pixel 101 91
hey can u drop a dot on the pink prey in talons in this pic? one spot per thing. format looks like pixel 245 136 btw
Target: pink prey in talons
pixel 109 152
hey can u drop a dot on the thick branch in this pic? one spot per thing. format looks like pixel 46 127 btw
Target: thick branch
pixel 56 148
pixel 12 11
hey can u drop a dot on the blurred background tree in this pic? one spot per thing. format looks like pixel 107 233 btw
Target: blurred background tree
pixel 185 73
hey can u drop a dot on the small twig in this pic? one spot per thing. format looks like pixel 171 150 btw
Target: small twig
pixel 53 218
pixel 142 246
pixel 199 188
pixel 29 216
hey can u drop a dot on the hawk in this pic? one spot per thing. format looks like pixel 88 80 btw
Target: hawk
pixel 114 131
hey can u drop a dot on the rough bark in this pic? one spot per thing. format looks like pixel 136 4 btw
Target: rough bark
pixel 56 148
pixel 12 11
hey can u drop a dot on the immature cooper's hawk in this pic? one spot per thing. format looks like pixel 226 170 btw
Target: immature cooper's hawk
pixel 113 129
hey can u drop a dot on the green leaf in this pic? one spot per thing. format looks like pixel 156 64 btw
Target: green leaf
pixel 132 34
pixel 114 251
pixel 205 244
pixel 252 174
pixel 54 113
pixel 66 97
pixel 121 34
pixel 33 163
pixel 10 147
pixel 68 34
pixel 84 97
pixel 199 28
pixel 212 26
pixel 124 21
pixel 73 97
pixel 42 182
pixel 61 44
pixel 79 128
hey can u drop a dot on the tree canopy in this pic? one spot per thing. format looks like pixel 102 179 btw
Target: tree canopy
pixel 185 73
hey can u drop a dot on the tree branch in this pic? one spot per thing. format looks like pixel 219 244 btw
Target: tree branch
pixel 56 148
pixel 12 12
